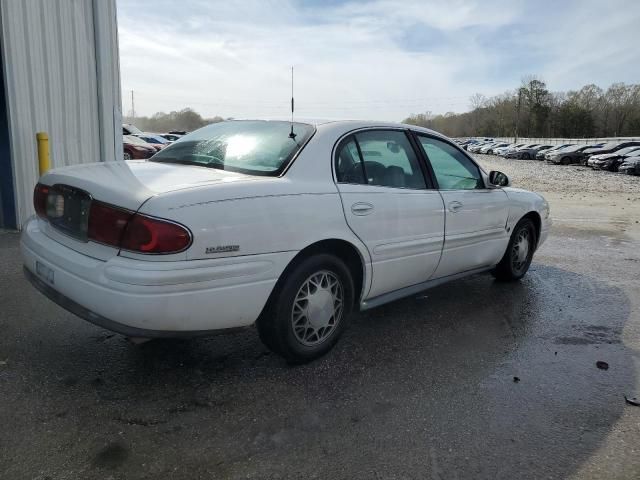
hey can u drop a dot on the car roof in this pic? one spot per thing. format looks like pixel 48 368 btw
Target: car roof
pixel 345 126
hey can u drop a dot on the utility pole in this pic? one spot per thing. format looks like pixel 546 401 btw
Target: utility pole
pixel 518 113
pixel 133 106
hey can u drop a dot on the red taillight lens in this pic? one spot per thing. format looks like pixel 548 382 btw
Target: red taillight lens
pixel 152 235
pixel 40 194
pixel 107 223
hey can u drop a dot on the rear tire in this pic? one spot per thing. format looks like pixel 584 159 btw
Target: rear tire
pixel 126 156
pixel 308 309
pixel 517 259
pixel 565 161
pixel 525 156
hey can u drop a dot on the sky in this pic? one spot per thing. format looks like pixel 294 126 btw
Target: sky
pixel 375 60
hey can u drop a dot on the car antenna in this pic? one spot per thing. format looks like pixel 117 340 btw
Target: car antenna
pixel 292 135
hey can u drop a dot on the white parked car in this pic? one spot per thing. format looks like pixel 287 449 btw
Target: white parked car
pixel 287 227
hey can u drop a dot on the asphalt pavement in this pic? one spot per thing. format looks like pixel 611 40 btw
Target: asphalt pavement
pixel 474 379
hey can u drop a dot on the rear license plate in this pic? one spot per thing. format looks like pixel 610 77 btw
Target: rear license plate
pixel 68 211
pixel 46 273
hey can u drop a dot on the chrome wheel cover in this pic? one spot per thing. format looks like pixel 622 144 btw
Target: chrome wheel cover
pixel 520 249
pixel 317 308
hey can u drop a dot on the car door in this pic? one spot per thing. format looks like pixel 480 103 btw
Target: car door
pixel 475 216
pixel 388 205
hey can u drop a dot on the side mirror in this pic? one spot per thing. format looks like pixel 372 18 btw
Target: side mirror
pixel 498 179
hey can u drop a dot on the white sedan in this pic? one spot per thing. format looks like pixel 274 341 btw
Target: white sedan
pixel 287 226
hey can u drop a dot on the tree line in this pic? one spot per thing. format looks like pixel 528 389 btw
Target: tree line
pixel 533 111
pixel 186 119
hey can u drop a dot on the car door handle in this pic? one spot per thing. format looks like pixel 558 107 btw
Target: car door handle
pixel 455 206
pixel 361 208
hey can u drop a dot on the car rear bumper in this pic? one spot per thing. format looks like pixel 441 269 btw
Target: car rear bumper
pixel 152 298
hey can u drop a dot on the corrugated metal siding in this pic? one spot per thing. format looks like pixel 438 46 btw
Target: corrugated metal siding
pixel 54 84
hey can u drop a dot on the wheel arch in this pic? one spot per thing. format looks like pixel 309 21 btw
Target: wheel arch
pixel 345 251
pixel 537 222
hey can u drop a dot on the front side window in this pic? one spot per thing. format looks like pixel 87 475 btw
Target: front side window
pixel 252 147
pixel 453 169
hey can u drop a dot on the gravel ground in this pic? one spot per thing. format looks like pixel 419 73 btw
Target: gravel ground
pixel 570 179
pixel 475 379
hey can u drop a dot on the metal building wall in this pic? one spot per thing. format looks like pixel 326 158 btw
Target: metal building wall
pixel 62 77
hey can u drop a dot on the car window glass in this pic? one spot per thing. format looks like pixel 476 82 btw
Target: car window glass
pixel 348 164
pixel 453 170
pixel 389 159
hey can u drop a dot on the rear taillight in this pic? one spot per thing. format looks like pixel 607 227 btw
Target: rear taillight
pixel 40 195
pixel 152 235
pixel 134 232
pixel 107 223
pixel 118 227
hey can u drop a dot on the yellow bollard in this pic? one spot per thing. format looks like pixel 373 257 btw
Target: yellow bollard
pixel 44 163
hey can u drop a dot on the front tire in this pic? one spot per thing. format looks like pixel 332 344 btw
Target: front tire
pixel 517 259
pixel 308 309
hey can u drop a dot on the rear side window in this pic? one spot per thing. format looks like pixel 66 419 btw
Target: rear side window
pixel 379 157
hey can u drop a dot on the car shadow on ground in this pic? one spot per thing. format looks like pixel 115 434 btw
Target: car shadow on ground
pixel 474 379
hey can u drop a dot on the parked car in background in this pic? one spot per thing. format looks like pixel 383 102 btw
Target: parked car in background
pixel 322 222
pixel 504 151
pixel 568 155
pixel 611 161
pixel 128 129
pixel 609 147
pixel 136 148
pixel 155 140
pixel 466 143
pixel 631 166
pixel 541 155
pixel 522 152
pixel 476 147
pixel 170 136
pixel 489 149
pixel 531 152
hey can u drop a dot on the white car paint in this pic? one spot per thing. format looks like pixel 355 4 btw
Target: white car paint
pixel 407 238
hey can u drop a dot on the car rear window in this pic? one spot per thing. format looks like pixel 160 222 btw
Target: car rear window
pixel 245 146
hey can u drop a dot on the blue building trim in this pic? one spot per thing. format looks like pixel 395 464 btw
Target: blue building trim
pixel 7 196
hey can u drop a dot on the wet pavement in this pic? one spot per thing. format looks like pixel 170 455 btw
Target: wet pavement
pixel 474 379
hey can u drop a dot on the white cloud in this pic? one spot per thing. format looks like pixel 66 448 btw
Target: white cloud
pixel 233 59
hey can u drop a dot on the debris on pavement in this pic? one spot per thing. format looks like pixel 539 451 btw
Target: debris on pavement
pixel 632 401
pixel 516 379
pixel 602 365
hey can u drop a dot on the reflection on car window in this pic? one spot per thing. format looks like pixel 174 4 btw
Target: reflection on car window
pixel 389 159
pixel 453 170
pixel 245 146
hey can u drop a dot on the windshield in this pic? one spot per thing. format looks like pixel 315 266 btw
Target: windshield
pixel 255 147
pixel 132 128
pixel 134 140
pixel 571 148
pixel 608 145
pixel 625 150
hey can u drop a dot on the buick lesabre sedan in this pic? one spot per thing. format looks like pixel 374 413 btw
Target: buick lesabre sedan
pixel 290 227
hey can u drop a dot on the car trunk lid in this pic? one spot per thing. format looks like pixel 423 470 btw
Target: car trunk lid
pixel 127 185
